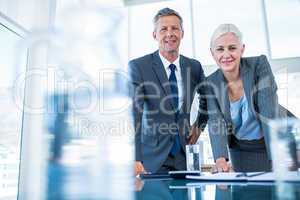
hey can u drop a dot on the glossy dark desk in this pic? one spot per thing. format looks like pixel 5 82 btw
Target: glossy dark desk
pixel 187 189
pixel 75 183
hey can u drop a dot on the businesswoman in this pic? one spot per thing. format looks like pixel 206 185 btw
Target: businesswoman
pixel 241 99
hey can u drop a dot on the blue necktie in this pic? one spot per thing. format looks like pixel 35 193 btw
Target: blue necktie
pixel 174 91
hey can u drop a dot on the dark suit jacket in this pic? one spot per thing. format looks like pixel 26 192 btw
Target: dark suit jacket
pixel 153 109
pixel 260 89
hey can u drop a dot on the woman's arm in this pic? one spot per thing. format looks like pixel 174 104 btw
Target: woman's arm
pixel 266 91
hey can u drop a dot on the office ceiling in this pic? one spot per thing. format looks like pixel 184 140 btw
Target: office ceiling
pixel 136 2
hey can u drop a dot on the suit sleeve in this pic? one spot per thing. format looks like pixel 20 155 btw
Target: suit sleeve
pixel 136 92
pixel 202 90
pixel 267 99
pixel 267 106
pixel 217 126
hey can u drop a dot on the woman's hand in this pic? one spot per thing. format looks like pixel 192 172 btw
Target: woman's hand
pixel 222 165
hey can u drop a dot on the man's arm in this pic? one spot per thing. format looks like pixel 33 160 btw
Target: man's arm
pixel 266 90
pixel 137 96
pixel 202 116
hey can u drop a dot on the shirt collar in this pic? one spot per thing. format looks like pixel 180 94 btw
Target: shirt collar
pixel 166 63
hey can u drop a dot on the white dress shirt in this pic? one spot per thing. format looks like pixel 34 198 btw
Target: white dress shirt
pixel 166 64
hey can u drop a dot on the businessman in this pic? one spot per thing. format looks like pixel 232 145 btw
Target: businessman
pixel 163 85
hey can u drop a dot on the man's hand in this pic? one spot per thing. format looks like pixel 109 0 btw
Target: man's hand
pixel 138 168
pixel 222 165
pixel 194 134
pixel 138 184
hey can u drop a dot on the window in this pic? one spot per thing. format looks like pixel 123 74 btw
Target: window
pixel 141 41
pixel 284 28
pixel 12 65
pixel 208 14
pixel 288 93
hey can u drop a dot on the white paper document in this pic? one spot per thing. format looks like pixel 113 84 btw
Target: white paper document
pixel 246 177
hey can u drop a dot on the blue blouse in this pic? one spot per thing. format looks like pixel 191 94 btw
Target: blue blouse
pixel 246 124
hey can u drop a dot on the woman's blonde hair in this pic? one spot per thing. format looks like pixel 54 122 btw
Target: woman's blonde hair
pixel 226 28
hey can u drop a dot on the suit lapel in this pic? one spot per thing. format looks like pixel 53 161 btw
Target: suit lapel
pixel 222 96
pixel 186 80
pixel 247 79
pixel 161 75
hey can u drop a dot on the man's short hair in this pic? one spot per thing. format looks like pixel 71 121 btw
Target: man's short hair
pixel 167 12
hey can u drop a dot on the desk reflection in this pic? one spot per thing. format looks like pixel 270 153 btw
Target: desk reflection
pixel 185 189
pixel 159 189
pixel 245 192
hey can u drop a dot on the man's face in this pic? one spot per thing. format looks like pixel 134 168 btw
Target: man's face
pixel 168 34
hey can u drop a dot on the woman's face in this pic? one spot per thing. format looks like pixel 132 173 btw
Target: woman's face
pixel 227 52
